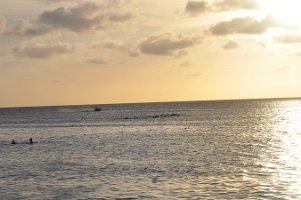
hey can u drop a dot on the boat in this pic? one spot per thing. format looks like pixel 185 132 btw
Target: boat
pixel 97 109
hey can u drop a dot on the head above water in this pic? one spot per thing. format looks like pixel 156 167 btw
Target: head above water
pixel 30 141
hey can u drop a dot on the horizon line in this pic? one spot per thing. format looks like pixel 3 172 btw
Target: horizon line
pixel 149 102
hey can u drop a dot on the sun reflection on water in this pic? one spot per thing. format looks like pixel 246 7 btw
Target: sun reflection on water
pixel 287 128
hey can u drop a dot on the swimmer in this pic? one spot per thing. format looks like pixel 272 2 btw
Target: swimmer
pixel 30 141
pixel 13 142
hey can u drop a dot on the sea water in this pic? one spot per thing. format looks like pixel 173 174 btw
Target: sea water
pixel 248 149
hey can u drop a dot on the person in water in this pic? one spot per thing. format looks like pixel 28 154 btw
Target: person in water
pixel 30 141
pixel 13 142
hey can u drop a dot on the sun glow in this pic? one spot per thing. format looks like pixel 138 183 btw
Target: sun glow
pixel 285 11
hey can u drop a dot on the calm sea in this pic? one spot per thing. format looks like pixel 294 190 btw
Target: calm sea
pixel 249 149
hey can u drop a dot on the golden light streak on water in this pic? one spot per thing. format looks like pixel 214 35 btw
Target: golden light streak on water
pixel 288 154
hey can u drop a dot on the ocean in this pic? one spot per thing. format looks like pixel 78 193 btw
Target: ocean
pixel 240 149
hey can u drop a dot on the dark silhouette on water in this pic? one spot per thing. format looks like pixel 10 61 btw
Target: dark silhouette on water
pixel 29 142
pixel 97 109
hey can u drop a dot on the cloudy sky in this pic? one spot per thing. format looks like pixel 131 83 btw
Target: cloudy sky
pixel 62 52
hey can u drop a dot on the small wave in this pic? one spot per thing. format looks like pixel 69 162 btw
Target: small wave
pixel 154 116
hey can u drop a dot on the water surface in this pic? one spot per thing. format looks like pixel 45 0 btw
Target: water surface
pixel 189 150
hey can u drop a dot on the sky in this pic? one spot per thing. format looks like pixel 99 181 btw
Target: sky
pixel 71 52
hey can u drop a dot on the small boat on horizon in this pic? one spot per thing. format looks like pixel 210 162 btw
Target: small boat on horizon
pixel 97 109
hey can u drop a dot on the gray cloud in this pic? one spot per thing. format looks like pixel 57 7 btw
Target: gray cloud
pixel 196 7
pixel 2 24
pixel 81 18
pixel 113 45
pixel 85 17
pixel 42 50
pixel 133 53
pixel 225 5
pixel 231 45
pixel 28 29
pixel 166 44
pixel 245 25
pixel 119 17
pixel 289 38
